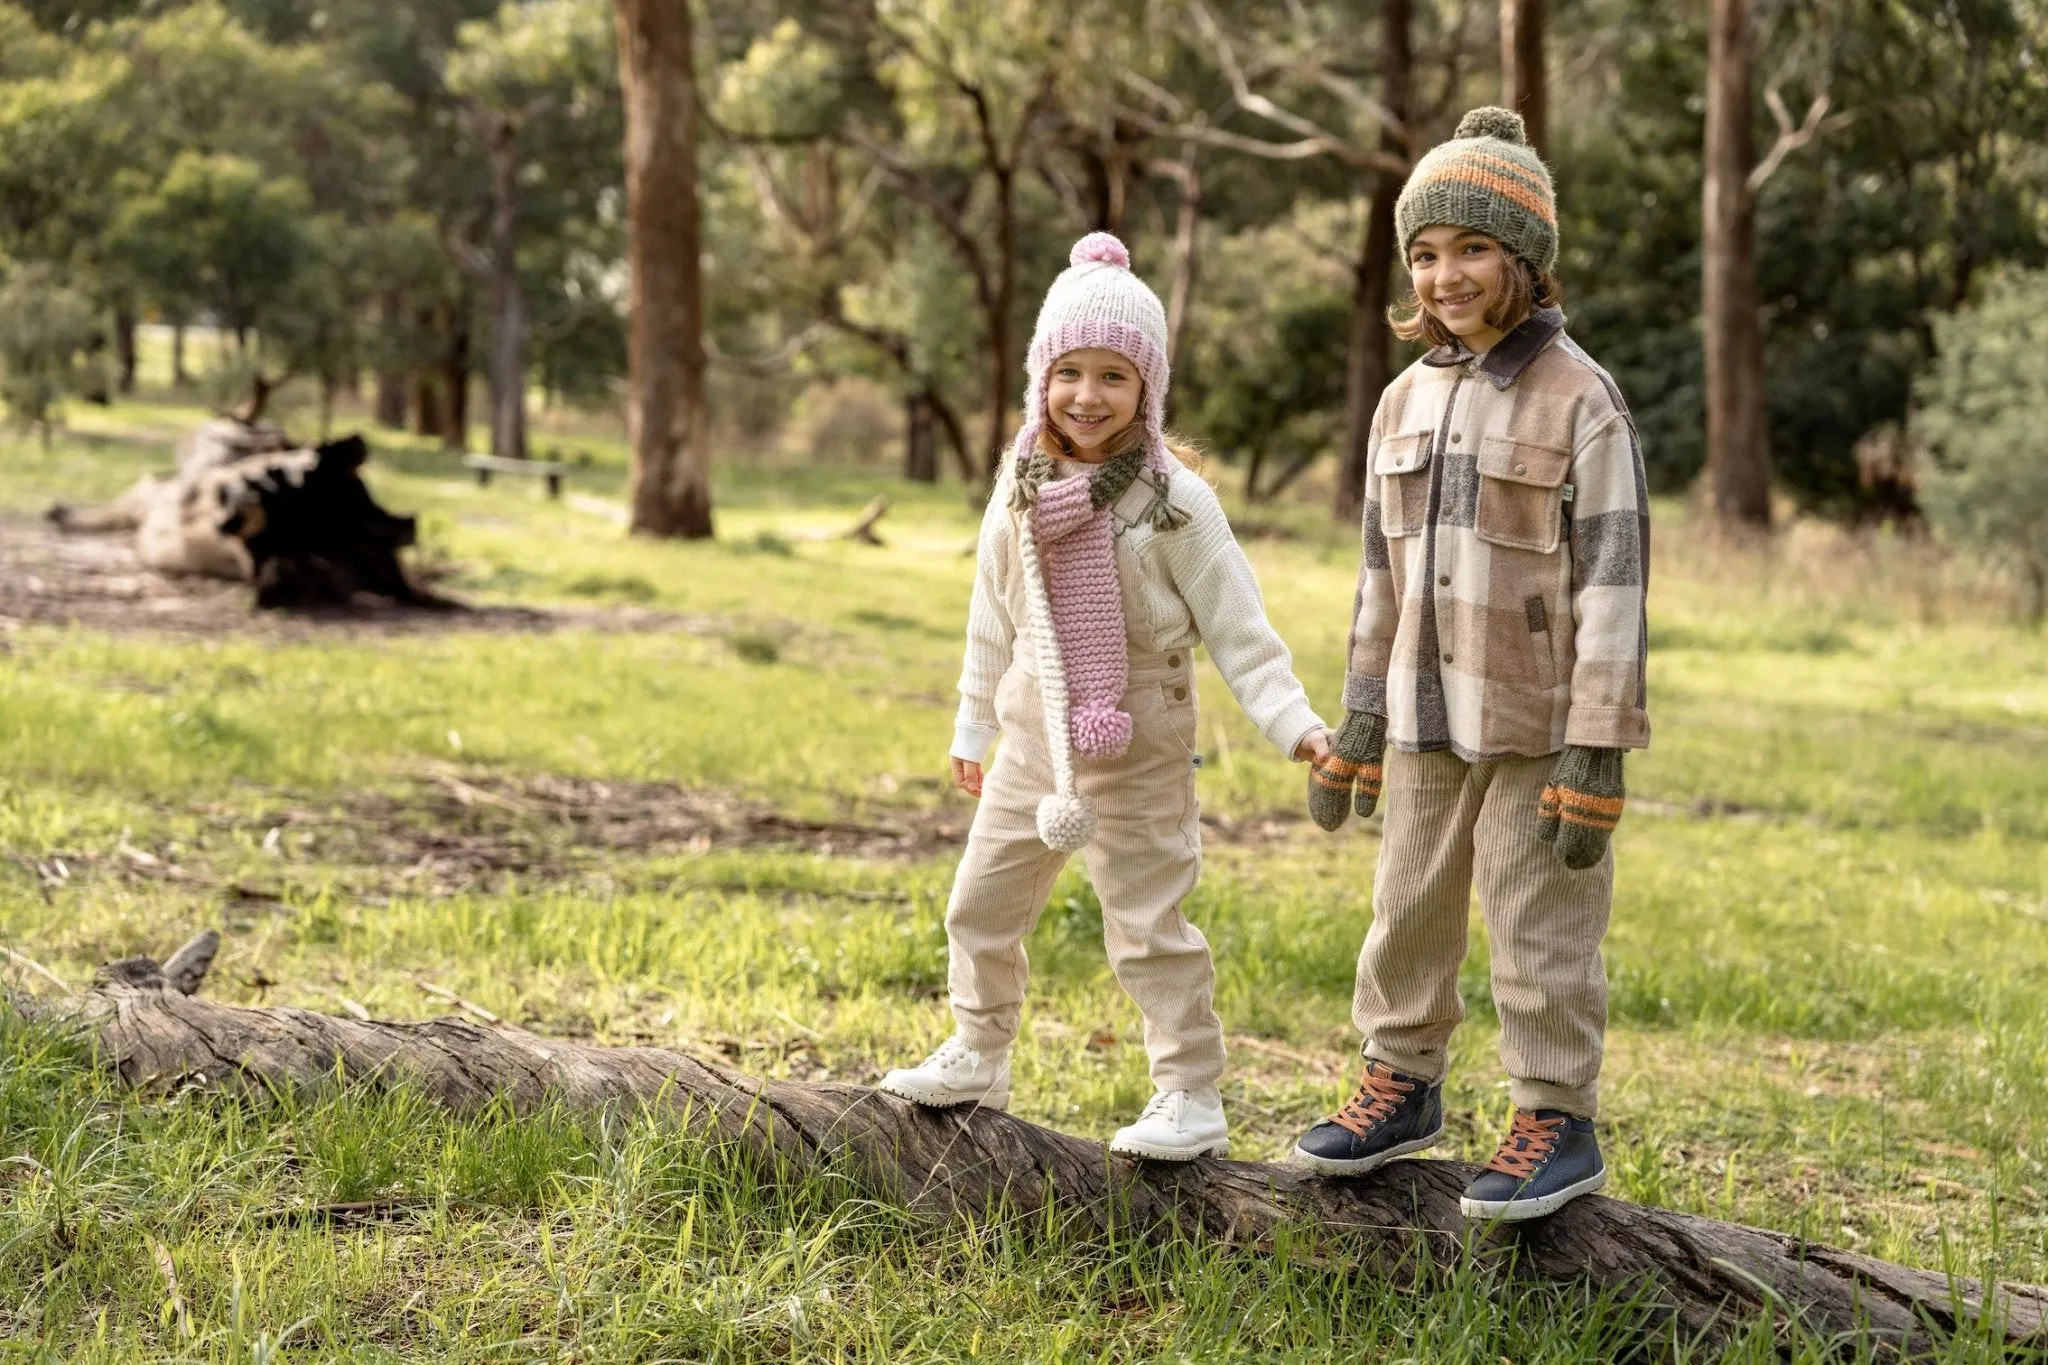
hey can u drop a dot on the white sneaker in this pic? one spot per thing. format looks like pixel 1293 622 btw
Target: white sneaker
pixel 1178 1125
pixel 955 1074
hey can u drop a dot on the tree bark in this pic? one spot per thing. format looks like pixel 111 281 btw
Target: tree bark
pixel 124 346
pixel 508 299
pixel 1709 1276
pixel 1367 363
pixel 1523 86
pixel 388 407
pixel 1187 225
pixel 920 441
pixel 455 375
pixel 178 376
pixel 667 418
pixel 1738 452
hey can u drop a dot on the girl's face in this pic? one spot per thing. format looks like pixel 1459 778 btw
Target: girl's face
pixel 1090 397
pixel 1458 273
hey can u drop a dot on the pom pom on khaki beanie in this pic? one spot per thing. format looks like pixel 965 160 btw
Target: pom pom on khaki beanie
pixel 1488 179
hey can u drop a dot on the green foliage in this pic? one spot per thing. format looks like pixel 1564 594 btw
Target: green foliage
pixel 47 332
pixel 216 235
pixel 1981 412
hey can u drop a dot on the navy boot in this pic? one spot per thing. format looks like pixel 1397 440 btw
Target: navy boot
pixel 1391 1114
pixel 1547 1160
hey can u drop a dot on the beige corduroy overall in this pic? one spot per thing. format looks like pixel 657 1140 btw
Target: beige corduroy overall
pixel 1145 858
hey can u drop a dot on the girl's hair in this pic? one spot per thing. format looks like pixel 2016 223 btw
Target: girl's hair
pixel 1053 441
pixel 1524 290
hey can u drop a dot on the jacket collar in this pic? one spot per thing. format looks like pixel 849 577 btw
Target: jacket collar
pixel 1511 355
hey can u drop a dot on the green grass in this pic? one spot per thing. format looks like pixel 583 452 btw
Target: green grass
pixel 1829 954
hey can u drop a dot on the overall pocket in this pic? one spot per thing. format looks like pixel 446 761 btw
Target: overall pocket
pixel 1402 464
pixel 1521 497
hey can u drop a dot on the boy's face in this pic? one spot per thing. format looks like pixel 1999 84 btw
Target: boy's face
pixel 1458 273
pixel 1091 396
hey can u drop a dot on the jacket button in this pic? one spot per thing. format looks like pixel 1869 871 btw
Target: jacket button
pixel 1443 580
pixel 1521 469
pixel 1447 658
pixel 1180 694
pixel 1455 438
pixel 1173 661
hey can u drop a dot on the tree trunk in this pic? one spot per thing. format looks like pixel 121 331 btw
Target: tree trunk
pixel 1523 87
pixel 508 300
pixel 124 346
pixel 1367 363
pixel 388 408
pixel 1187 224
pixel 920 441
pixel 455 375
pixel 667 419
pixel 178 376
pixel 1738 454
pixel 996 318
pixel 1708 1276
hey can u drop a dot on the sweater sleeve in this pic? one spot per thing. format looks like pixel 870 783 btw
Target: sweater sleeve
pixel 1610 545
pixel 1375 611
pixel 1208 569
pixel 990 638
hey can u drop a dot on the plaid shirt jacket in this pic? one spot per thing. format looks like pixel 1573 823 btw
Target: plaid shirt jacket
pixel 1501 599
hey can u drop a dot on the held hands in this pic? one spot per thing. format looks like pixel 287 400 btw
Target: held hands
pixel 1582 804
pixel 1314 748
pixel 1347 777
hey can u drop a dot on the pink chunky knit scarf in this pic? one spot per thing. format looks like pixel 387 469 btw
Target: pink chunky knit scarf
pixel 1077 553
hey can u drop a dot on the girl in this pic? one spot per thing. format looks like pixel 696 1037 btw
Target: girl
pixel 1499 641
pixel 1104 561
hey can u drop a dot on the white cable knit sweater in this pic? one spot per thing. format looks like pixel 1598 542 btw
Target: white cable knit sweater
pixel 1198 589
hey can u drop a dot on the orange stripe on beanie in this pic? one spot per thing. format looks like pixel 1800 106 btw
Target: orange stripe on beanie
pixel 1488 179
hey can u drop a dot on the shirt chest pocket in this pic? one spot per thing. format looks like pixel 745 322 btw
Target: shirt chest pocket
pixel 1521 494
pixel 1402 464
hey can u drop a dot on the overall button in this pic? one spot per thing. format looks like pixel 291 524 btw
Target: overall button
pixel 1173 661
pixel 1443 580
pixel 1455 438
pixel 1447 658
pixel 1180 694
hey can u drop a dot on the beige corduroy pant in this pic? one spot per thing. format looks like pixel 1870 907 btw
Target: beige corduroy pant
pixel 1450 823
pixel 1145 858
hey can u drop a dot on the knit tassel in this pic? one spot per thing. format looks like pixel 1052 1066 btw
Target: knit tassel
pixel 1160 514
pixel 1066 821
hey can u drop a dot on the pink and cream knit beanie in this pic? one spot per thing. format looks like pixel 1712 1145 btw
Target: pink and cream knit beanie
pixel 1097 301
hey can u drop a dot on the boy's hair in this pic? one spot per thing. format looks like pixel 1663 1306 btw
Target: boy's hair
pixel 1525 289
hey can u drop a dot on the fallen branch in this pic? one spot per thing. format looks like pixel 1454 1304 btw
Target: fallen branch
pixel 1707 1275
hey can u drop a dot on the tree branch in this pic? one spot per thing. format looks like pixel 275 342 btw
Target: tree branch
pixel 1790 138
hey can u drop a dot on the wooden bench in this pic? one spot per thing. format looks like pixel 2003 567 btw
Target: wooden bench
pixel 487 465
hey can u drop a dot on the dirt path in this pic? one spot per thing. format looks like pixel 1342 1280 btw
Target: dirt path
pixel 49 577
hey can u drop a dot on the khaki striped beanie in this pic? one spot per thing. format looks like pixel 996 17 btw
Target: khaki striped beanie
pixel 1489 179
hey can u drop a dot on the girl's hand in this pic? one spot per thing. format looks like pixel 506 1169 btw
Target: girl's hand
pixel 1314 747
pixel 967 777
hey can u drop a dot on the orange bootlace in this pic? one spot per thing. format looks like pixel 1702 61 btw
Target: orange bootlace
pixel 1529 1143
pixel 1380 1093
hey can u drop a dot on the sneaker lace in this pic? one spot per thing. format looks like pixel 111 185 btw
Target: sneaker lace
pixel 1161 1103
pixel 950 1053
pixel 1379 1094
pixel 1529 1143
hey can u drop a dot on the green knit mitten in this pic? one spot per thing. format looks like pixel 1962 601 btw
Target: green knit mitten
pixel 1582 804
pixel 1349 776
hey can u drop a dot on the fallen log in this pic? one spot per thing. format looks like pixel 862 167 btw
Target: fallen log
pixel 1711 1277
